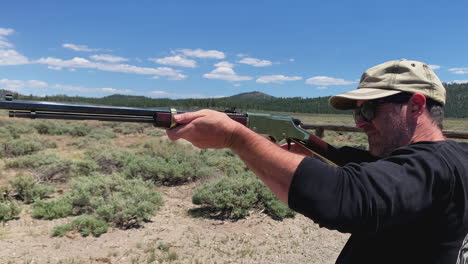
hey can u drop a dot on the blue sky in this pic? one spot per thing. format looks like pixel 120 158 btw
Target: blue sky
pixel 198 49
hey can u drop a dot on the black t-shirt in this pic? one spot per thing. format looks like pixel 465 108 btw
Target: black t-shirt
pixel 411 207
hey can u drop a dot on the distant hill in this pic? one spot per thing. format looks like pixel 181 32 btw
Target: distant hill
pixel 254 94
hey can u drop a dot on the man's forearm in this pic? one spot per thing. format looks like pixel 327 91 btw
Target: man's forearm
pixel 272 164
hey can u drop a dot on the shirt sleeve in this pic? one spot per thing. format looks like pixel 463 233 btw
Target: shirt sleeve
pixel 365 196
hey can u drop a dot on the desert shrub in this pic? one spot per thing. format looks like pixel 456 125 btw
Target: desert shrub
pixel 6 134
pixel 169 163
pixel 32 161
pixel 8 211
pixel 27 189
pixel 84 167
pixel 52 209
pixel 48 167
pixel 5 191
pixel 79 130
pixel 81 143
pixel 108 159
pixel 59 171
pixel 100 134
pixel 155 133
pixel 85 224
pixel 172 170
pixel 235 197
pixel 46 127
pixel 14 129
pixel 225 161
pixel 19 147
pixel 120 201
pixel 127 128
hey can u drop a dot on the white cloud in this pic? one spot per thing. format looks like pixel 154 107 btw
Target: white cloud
pixel 459 70
pixel 88 90
pixel 3 42
pixel 256 62
pixel 175 61
pixel 204 54
pixel 165 94
pixel 322 88
pixel 12 57
pixel 434 67
pixel 108 58
pixel 17 85
pixel 277 78
pixel 112 90
pixel 225 72
pixel 324 81
pixel 291 60
pixel 224 64
pixel 9 56
pixel 78 62
pixel 6 31
pixel 241 55
pixel 78 47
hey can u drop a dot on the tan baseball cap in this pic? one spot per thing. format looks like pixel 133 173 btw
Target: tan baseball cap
pixel 390 78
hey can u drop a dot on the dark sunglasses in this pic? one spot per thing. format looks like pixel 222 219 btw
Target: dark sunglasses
pixel 368 109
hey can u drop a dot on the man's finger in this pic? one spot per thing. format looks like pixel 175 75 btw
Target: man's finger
pixel 176 132
pixel 187 117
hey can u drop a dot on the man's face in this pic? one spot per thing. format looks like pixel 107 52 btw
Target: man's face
pixel 388 130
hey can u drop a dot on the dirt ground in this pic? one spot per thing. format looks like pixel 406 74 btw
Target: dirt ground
pixel 173 236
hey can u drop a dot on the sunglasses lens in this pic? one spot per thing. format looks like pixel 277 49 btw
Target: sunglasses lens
pixel 367 111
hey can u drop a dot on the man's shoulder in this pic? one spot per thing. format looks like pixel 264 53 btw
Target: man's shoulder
pixel 435 147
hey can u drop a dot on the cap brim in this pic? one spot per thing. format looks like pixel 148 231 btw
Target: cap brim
pixel 347 101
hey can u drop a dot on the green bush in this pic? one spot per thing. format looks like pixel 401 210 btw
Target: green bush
pixel 225 161
pixel 127 128
pixel 53 209
pixel 108 159
pixel 84 167
pixel 5 191
pixel 79 130
pixel 235 197
pixel 169 163
pixel 48 167
pixel 100 134
pixel 32 161
pixel 173 170
pixel 6 134
pixel 85 224
pixel 28 190
pixel 19 147
pixel 8 211
pixel 155 133
pixel 46 127
pixel 58 172
pixel 120 201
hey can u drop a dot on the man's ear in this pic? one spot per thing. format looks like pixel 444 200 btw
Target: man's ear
pixel 417 104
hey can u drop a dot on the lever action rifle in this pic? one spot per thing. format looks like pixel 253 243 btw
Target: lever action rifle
pixel 276 127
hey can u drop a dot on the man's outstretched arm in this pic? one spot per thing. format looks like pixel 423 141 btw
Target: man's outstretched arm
pixel 211 129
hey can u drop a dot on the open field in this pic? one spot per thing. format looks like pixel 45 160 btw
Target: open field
pixel 64 155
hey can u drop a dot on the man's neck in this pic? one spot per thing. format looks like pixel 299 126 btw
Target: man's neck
pixel 427 131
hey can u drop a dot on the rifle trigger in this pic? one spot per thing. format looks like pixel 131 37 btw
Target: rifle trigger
pixel 288 140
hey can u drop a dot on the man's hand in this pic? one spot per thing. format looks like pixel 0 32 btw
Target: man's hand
pixel 205 129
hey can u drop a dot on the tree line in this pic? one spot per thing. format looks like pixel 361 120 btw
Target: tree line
pixel 456 107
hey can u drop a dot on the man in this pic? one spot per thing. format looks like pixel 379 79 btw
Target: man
pixel 408 204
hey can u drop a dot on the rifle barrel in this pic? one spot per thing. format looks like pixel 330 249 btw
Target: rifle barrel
pixel 70 116
pixel 53 110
